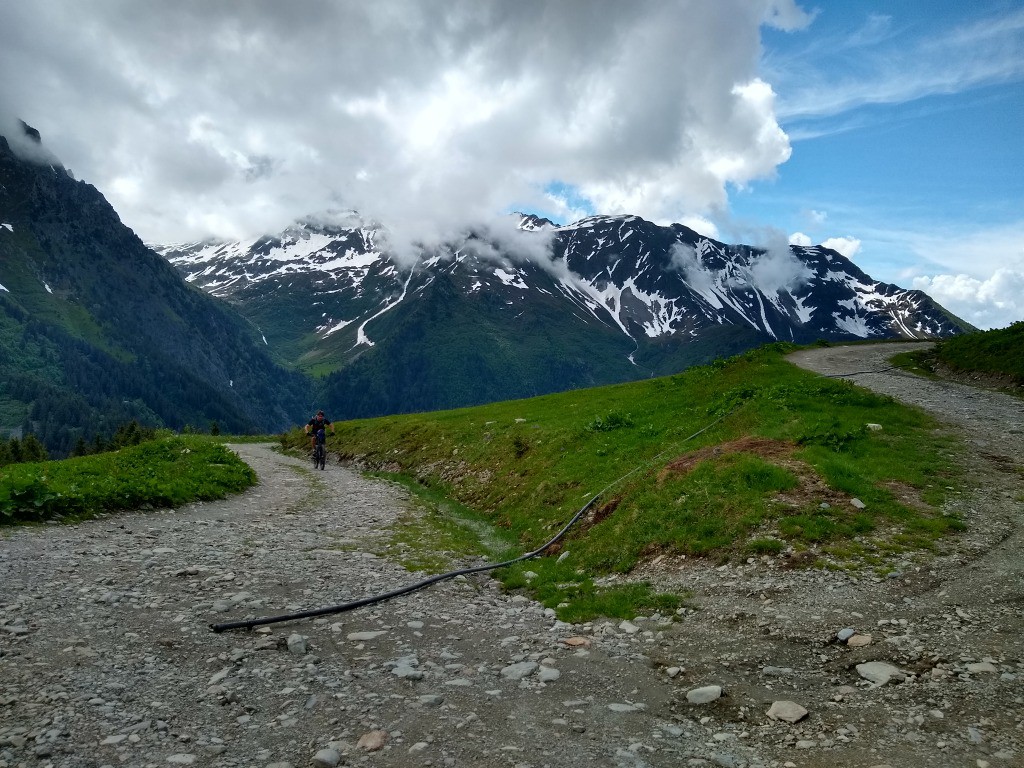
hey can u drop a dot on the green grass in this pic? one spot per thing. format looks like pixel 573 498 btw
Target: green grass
pixel 161 473
pixel 787 442
pixel 998 352
pixel 921 362
pixel 441 532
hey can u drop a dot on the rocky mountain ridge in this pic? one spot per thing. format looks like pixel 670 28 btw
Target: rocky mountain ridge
pixel 503 312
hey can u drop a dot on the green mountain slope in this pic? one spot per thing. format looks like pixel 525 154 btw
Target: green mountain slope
pixel 450 348
pixel 95 329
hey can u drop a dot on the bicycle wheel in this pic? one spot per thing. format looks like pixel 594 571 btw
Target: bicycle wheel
pixel 323 456
pixel 316 457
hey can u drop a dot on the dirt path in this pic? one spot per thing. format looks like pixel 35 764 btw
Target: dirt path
pixel 106 658
pixel 993 425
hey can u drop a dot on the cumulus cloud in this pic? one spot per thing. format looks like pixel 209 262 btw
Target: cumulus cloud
pixel 778 268
pixel 700 225
pixel 848 246
pixel 992 303
pixel 200 118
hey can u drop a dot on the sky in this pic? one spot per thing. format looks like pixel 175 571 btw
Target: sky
pixel 888 131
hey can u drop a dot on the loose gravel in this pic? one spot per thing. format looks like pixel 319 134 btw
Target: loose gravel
pixel 107 659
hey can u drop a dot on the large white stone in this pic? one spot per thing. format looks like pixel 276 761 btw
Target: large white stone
pixel 704 695
pixel 787 711
pixel 880 673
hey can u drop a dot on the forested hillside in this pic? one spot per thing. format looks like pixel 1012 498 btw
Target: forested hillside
pixel 96 330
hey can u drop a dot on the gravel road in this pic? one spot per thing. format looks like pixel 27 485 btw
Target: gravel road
pixel 106 658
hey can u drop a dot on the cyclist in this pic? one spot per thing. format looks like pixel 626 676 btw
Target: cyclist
pixel 317 424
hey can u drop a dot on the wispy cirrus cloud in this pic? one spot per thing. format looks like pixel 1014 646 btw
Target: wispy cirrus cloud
pixel 882 67
pixel 979 253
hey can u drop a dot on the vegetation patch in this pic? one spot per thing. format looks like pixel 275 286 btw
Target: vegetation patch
pixel 991 358
pixel 1000 351
pixel 749 455
pixel 158 473
pixel 439 534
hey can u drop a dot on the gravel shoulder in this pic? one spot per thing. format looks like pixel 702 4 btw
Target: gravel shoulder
pixel 106 657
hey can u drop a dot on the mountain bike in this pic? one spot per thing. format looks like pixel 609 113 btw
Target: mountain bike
pixel 320 449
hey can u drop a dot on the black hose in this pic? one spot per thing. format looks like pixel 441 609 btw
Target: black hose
pixel 345 607
pixel 858 373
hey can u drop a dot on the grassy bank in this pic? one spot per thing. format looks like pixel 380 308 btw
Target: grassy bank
pixel 162 473
pixel 998 354
pixel 776 473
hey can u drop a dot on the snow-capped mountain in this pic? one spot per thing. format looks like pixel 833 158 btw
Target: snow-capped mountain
pixel 539 307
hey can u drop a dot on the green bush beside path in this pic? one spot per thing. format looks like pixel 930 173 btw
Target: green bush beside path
pixel 162 473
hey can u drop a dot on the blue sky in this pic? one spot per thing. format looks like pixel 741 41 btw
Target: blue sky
pixel 889 131
pixel 906 123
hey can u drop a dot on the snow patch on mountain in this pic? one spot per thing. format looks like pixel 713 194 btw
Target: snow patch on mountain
pixel 361 337
pixel 854 324
pixel 328 330
pixel 625 273
pixel 513 279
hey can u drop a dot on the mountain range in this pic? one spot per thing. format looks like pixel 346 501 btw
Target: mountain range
pixel 533 307
pixel 97 328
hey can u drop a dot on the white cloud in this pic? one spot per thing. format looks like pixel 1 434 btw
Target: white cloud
pixel 816 217
pixel 777 269
pixel 799 238
pixel 991 303
pixel 978 253
pixel 700 225
pixel 891 71
pixel 848 246
pixel 787 16
pixel 200 118
pixel 685 259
